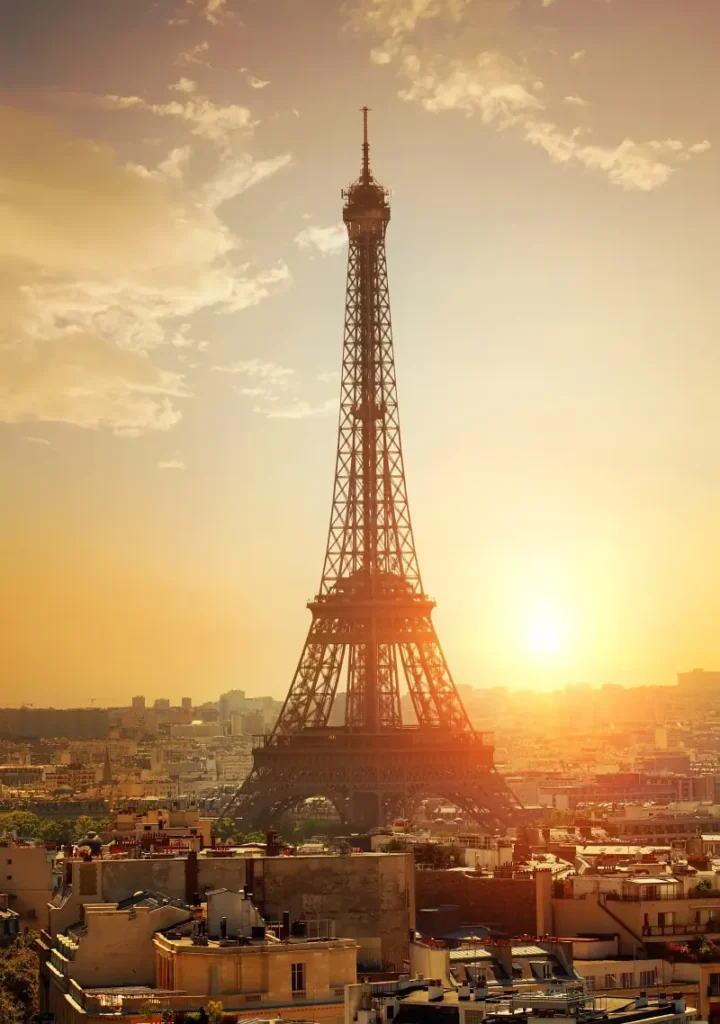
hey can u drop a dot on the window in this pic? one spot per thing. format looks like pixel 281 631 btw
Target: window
pixel 610 981
pixel 9 878
pixel 648 979
pixel 627 980
pixel 666 918
pixel 9 860
pixel 297 974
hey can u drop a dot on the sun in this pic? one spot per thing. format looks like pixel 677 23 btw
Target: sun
pixel 545 633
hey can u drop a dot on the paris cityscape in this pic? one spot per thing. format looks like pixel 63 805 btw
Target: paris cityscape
pixel 360 572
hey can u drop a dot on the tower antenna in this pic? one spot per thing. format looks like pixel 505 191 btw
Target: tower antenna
pixel 366 149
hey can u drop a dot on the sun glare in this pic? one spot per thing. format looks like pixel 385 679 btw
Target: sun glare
pixel 545 634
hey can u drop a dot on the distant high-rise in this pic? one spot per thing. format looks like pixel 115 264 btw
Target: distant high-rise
pixel 138 703
pixel 162 704
pixel 186 704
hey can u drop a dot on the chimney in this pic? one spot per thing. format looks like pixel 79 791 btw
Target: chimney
pixel 223 927
pixel 435 991
pixel 285 931
pixel 642 1001
pixel 192 879
pixel 678 1003
pixel 463 991
pixel 481 994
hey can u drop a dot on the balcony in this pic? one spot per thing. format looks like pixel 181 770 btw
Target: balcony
pixel 653 931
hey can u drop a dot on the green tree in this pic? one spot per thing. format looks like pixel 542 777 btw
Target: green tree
pixel 19 979
pixel 22 822
pixel 224 828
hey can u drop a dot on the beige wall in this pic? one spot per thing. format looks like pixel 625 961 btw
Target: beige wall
pixel 26 873
pixel 626 917
pixel 259 970
pixel 117 946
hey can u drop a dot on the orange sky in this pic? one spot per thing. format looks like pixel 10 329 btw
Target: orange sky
pixel 170 327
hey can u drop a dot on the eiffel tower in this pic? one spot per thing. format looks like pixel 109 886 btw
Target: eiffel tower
pixel 371 620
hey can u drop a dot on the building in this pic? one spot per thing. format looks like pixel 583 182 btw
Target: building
pixel 38 723
pixel 9 922
pixel 152 951
pixel 431 1002
pixel 29 878
pixel 138 704
pixel 506 905
pixel 369 896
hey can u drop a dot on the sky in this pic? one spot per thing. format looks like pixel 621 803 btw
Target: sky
pixel 172 273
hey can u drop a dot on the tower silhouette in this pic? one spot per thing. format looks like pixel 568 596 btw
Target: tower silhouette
pixel 371 619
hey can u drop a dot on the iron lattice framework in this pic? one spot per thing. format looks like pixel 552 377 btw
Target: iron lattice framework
pixel 371 620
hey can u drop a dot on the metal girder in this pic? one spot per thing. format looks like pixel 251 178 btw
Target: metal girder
pixel 371 618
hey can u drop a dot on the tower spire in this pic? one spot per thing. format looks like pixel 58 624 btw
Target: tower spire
pixel 366 176
pixel 371 627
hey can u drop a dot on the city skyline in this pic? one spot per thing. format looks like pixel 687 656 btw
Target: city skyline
pixel 172 334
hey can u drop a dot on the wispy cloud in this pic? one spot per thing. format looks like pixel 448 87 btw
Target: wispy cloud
pixel 630 165
pixel 259 368
pixel 195 55
pixel 185 85
pixel 323 240
pixel 577 55
pixel 217 123
pixel 328 376
pixel 94 288
pixel 501 89
pixel 236 174
pixel 253 81
pixel 171 464
pixel 302 410
pixel 36 440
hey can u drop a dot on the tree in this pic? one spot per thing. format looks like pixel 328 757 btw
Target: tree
pixel 224 828
pixel 59 833
pixel 215 1011
pixel 19 980
pixel 22 822
pixel 10 1012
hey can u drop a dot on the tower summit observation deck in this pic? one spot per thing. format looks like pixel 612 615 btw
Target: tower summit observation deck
pixel 371 620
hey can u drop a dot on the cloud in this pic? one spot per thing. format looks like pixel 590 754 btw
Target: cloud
pixel 216 123
pixel 631 165
pixel 394 21
pixel 302 410
pixel 99 268
pixel 253 81
pixel 501 90
pixel 195 55
pixel 215 11
pixel 324 240
pixel 238 173
pixel 491 84
pixel 184 85
pixel 172 464
pixel 36 440
pixel 578 55
pixel 259 368
pixel 328 376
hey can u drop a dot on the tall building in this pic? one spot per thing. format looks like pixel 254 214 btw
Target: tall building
pixel 372 619
pixel 138 703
